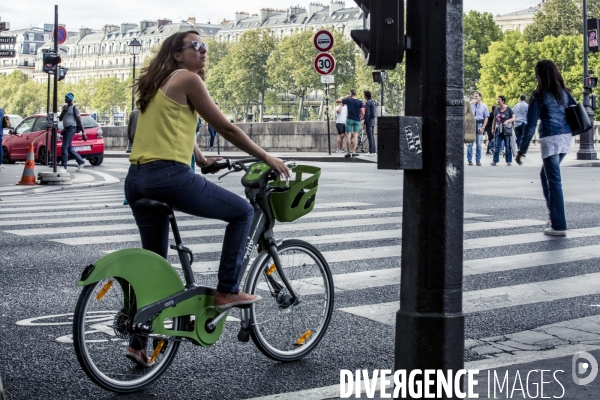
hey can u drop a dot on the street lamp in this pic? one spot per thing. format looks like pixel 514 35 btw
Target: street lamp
pixel 586 139
pixel 134 49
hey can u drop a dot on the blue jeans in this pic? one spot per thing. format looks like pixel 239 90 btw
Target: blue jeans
pixel 499 141
pixel 552 187
pixel 519 131
pixel 1 148
pixel 369 128
pixel 478 141
pixel 67 149
pixel 213 133
pixel 175 184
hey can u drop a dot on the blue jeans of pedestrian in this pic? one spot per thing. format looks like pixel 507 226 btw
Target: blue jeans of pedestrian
pixel 1 149
pixel 369 128
pixel 67 138
pixel 519 131
pixel 177 185
pixel 552 187
pixel 500 141
pixel 213 133
pixel 478 141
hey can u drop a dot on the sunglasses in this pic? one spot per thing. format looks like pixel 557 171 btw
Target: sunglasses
pixel 196 45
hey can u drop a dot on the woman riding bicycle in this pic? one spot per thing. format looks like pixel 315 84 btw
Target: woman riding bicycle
pixel 170 94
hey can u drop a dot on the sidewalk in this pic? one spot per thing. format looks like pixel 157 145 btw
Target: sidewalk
pixel 289 155
pixel 10 174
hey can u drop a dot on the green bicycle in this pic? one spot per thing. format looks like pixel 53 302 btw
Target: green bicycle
pixel 136 293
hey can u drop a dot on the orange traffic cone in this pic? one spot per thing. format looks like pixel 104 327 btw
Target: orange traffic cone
pixel 28 177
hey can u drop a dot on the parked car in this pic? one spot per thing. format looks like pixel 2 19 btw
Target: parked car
pixel 14 121
pixel 33 130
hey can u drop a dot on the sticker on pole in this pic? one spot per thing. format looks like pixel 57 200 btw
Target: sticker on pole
pixel 327 79
pixel 60 35
pixel 324 64
pixel 323 40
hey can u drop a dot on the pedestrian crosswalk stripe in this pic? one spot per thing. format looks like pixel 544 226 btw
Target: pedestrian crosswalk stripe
pixel 495 241
pixel 65 200
pixel 62 195
pixel 220 231
pixel 61 207
pixel 499 297
pixel 127 209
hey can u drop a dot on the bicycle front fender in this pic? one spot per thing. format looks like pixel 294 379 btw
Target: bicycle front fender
pixel 151 276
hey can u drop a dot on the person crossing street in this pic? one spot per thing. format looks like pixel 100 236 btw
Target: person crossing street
pixel 72 124
pixel 481 114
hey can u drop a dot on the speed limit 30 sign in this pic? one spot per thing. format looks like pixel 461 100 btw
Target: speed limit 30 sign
pixel 324 64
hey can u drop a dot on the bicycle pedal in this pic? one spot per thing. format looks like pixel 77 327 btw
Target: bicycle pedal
pixel 244 335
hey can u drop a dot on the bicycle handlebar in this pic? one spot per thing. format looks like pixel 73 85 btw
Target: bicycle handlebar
pixel 217 166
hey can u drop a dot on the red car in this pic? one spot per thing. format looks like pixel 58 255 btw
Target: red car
pixel 33 130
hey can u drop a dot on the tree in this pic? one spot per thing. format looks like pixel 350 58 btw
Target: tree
pixel 109 94
pixel 393 86
pixel 21 95
pixel 291 67
pixel 556 18
pixel 480 31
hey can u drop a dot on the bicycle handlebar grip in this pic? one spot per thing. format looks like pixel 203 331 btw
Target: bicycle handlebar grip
pixel 219 165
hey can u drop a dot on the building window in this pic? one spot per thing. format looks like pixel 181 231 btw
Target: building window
pixel 31 48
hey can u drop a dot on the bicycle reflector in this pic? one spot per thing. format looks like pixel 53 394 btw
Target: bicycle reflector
pixel 289 204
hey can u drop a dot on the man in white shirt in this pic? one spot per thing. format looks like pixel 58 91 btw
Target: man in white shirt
pixel 341 113
pixel 481 113
pixel 520 111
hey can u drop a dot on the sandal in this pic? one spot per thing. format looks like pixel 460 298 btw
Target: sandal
pixel 224 301
pixel 133 355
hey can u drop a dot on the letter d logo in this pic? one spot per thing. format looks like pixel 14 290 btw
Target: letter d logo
pixel 582 368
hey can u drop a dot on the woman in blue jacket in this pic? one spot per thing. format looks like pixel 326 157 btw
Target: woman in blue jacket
pixel 547 103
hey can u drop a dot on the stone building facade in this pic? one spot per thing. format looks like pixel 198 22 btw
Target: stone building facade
pixel 28 42
pixel 518 20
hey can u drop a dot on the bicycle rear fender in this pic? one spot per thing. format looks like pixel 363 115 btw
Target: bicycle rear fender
pixel 151 276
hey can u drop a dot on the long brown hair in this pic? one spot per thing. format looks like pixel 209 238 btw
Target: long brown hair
pixel 549 81
pixel 161 67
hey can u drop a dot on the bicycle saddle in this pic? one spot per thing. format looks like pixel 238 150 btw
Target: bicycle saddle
pixel 153 203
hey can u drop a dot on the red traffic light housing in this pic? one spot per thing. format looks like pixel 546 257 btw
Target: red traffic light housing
pixel 382 40
pixel 51 60
pixel 590 82
pixel 378 76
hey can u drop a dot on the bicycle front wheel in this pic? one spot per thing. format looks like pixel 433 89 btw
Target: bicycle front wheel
pixel 102 333
pixel 282 329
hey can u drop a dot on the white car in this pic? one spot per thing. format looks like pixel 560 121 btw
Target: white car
pixel 14 121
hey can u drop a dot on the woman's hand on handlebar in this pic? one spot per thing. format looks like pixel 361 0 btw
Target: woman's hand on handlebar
pixel 278 165
pixel 208 162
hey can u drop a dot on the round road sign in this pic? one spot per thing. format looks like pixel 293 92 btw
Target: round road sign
pixel 62 34
pixel 324 63
pixel 323 40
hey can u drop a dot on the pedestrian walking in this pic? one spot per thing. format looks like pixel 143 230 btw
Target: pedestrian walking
pixel 547 103
pixel 481 114
pixel 503 130
pixel 170 94
pixel 356 109
pixel 71 119
pixel 520 110
pixel 370 115
pixel 490 134
pixel 213 134
pixel 341 113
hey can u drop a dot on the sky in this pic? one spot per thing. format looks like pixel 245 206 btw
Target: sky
pixel 94 14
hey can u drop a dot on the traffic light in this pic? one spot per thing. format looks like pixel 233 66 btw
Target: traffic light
pixel 62 72
pixel 593 25
pixel 51 60
pixel 378 76
pixel 590 82
pixel 382 40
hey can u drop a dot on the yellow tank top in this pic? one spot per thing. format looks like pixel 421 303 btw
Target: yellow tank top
pixel 165 131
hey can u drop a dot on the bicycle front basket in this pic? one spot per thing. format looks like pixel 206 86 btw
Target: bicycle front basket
pixel 289 204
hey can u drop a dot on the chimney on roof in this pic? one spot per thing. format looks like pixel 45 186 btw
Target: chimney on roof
pixel 314 8
pixel 146 24
pixel 109 28
pixel 84 31
pixel 334 6
pixel 224 22
pixel 162 22
pixel 127 26
pixel 191 21
pixel 240 15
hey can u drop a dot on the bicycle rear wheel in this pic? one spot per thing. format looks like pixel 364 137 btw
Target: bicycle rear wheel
pixel 101 334
pixel 281 330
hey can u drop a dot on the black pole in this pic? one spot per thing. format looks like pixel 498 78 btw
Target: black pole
pixel 55 99
pixel 327 112
pixel 133 86
pixel 430 322
pixel 47 113
pixel 586 139
pixel 382 86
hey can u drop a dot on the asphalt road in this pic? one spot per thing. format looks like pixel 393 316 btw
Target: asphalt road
pixel 42 258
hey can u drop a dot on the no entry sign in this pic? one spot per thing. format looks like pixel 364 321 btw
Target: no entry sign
pixel 323 40
pixel 61 35
pixel 324 64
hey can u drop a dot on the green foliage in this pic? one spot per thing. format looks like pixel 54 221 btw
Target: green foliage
pixel 20 95
pixel 394 85
pixel 109 94
pixel 479 32
pixel 557 18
